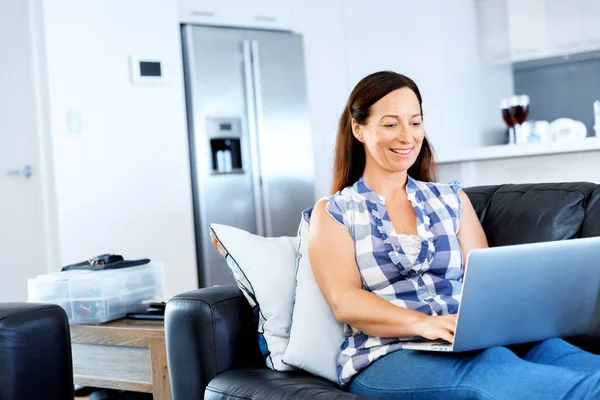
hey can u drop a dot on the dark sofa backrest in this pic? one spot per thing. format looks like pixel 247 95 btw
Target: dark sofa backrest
pixel 591 225
pixel 527 213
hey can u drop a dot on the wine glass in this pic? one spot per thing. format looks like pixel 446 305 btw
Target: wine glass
pixel 508 120
pixel 519 110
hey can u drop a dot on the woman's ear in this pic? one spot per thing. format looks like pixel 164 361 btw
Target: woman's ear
pixel 357 131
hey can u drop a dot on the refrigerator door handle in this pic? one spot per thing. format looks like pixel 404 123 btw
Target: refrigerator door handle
pixel 251 105
pixel 264 183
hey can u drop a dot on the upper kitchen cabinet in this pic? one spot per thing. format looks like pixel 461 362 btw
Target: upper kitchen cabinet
pixel 564 26
pixel 493 31
pixel 591 24
pixel 536 29
pixel 527 28
pixel 264 14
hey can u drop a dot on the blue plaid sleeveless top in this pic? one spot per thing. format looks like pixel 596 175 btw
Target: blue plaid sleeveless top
pixel 431 285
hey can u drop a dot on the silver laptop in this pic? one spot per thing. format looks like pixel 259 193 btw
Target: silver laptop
pixel 524 293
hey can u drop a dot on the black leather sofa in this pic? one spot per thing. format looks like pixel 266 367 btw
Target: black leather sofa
pixel 211 336
pixel 35 352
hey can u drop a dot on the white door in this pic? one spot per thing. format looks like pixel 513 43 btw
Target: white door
pixel 23 229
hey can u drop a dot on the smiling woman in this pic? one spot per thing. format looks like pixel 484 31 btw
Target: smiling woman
pixel 367 121
pixel 387 250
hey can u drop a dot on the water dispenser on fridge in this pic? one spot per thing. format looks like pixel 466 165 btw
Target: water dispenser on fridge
pixel 225 135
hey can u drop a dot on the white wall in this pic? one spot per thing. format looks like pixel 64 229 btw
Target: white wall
pixel 435 43
pixel 123 183
pixel 472 91
pixel 404 36
pixel 324 53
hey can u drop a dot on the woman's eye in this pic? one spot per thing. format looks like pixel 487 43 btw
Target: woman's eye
pixel 390 125
pixel 416 124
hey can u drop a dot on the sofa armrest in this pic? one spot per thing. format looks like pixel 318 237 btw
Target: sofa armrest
pixel 208 331
pixel 35 352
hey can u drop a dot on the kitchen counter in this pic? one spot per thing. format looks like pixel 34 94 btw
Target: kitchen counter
pixel 575 161
pixel 521 150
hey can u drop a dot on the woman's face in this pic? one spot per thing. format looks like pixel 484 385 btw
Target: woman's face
pixel 393 133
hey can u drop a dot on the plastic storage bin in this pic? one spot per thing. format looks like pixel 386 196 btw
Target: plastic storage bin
pixel 94 297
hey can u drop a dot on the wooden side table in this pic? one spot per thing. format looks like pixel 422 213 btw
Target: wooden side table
pixel 123 354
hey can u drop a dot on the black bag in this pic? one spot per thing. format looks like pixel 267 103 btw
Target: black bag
pixel 105 261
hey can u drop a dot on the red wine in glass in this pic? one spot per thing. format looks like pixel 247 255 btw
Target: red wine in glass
pixel 508 120
pixel 519 110
pixel 507 117
pixel 519 113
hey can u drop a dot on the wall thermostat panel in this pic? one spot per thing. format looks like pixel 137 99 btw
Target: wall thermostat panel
pixel 146 70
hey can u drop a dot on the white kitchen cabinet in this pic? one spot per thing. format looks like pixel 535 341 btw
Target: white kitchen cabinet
pixel 535 29
pixel 527 25
pixel 264 14
pixel 493 31
pixel 276 14
pixel 591 24
pixel 564 26
pixel 202 12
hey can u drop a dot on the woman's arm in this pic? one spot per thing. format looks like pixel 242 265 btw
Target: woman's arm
pixel 470 234
pixel 332 257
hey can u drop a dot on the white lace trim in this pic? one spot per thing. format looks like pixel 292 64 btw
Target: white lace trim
pixel 411 245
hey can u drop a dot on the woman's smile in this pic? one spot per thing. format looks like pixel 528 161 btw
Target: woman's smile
pixel 402 153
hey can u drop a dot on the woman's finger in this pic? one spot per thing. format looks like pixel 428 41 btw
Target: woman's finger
pixel 451 326
pixel 447 336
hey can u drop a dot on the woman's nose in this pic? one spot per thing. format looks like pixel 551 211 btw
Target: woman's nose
pixel 405 135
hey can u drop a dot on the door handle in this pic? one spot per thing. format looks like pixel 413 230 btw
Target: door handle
pixel 25 172
pixel 251 109
pixel 264 188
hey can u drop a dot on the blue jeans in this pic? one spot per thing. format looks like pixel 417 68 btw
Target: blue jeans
pixel 552 369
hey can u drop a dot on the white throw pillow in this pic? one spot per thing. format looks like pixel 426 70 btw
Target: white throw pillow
pixel 264 269
pixel 316 335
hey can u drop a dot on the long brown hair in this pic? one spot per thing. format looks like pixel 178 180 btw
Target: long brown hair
pixel 350 158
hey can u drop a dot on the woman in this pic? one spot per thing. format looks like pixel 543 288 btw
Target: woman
pixel 387 252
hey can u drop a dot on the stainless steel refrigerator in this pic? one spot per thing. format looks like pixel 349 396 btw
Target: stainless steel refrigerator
pixel 250 145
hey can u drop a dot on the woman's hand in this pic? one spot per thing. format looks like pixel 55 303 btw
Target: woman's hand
pixel 437 327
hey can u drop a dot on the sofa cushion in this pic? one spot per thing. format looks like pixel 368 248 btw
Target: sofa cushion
pixel 315 335
pixel 242 384
pixel 528 213
pixel 264 270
